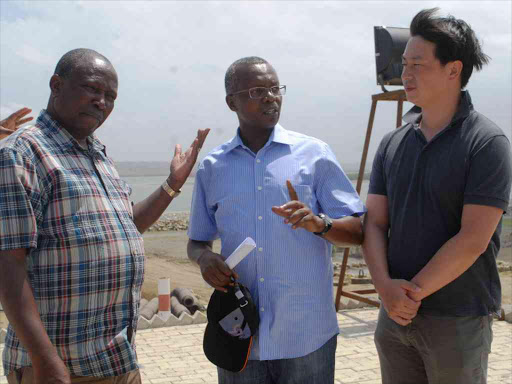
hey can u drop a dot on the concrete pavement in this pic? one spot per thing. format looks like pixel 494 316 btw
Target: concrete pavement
pixel 174 355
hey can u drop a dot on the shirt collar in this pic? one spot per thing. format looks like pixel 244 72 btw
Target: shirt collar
pixel 63 137
pixel 278 135
pixel 463 111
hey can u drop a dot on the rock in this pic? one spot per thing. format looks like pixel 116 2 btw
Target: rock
pixel 506 312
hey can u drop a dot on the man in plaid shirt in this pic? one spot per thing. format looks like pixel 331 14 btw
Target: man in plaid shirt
pixel 71 250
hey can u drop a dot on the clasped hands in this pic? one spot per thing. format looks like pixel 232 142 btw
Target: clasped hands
pixel 216 272
pixel 401 299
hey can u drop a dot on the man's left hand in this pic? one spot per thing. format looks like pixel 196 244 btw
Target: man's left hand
pixel 182 163
pixel 298 214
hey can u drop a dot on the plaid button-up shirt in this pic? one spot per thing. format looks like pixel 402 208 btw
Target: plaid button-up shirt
pixel 85 260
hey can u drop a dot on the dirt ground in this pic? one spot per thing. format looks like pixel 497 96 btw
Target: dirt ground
pixel 166 256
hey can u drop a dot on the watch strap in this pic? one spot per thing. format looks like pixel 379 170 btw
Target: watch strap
pixel 171 192
pixel 327 222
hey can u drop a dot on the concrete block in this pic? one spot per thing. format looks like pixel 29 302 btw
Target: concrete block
pixel 143 323
pixel 172 321
pixel 186 319
pixel 199 318
pixel 157 322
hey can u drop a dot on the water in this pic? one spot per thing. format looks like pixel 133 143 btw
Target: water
pixel 143 186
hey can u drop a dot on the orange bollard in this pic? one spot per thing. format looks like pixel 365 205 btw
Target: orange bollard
pixel 164 296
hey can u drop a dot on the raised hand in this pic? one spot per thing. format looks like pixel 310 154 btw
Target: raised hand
pixel 298 214
pixel 182 163
pixel 13 122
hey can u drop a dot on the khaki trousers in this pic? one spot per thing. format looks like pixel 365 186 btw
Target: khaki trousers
pixel 26 376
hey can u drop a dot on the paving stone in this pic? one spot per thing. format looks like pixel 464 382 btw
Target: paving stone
pixel 174 355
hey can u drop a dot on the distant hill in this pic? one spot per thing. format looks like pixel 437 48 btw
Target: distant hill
pixel 161 168
pixel 143 168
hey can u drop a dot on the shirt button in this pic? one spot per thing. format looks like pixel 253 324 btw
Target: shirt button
pixel 260 187
pixel 260 249
pixel 262 279
pixel 260 218
pixel 262 309
pixel 258 161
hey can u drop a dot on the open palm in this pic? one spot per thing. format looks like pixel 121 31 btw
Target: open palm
pixel 13 122
pixel 183 162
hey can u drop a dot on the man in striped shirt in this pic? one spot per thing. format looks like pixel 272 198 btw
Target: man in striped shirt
pixel 241 190
pixel 71 249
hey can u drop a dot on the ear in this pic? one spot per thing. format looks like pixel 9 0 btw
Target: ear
pixel 55 84
pixel 455 69
pixel 230 101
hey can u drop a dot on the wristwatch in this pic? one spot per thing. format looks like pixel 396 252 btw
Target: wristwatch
pixel 171 192
pixel 327 222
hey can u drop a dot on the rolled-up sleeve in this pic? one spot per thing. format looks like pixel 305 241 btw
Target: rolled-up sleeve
pixel 20 201
pixel 202 226
pixel 335 192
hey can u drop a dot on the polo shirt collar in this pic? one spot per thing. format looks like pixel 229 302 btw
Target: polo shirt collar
pixel 278 135
pixel 63 137
pixel 413 116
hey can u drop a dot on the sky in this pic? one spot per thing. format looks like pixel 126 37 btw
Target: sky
pixel 171 58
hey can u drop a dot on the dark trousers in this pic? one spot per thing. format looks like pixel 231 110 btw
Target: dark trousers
pixel 314 368
pixel 25 376
pixel 434 349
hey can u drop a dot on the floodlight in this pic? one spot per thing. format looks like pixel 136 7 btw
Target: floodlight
pixel 390 45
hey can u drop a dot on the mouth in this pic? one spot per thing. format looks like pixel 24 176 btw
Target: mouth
pixel 409 88
pixel 94 116
pixel 271 112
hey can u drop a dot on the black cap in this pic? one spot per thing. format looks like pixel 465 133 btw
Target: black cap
pixel 233 320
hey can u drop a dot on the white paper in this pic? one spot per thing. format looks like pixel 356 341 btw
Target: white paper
pixel 239 254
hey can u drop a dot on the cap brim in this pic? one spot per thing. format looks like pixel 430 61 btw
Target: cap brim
pixel 230 353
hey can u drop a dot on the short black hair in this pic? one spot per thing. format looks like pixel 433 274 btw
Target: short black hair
pixel 72 59
pixel 231 80
pixel 454 40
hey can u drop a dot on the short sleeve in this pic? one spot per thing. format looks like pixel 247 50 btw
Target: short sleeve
pixel 20 203
pixel 335 193
pixel 490 174
pixel 202 225
pixel 377 177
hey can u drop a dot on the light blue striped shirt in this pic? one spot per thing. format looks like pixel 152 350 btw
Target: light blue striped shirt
pixel 289 274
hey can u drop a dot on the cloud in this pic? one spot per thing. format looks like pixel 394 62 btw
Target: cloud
pixel 171 58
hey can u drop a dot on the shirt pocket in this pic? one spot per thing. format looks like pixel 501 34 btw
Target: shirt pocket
pixel 304 193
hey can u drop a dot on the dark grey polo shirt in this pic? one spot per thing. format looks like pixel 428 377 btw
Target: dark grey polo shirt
pixel 427 185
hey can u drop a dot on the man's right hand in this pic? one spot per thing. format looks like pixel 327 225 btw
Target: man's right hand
pixel 13 122
pixel 400 308
pixel 215 271
pixel 50 370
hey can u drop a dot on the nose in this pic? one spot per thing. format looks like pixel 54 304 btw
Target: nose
pixel 99 101
pixel 269 96
pixel 406 73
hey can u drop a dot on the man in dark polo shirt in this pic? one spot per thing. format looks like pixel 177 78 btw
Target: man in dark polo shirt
pixel 438 190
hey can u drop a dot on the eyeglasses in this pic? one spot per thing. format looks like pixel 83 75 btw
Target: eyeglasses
pixel 260 92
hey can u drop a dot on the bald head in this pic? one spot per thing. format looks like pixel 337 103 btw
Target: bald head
pixel 77 58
